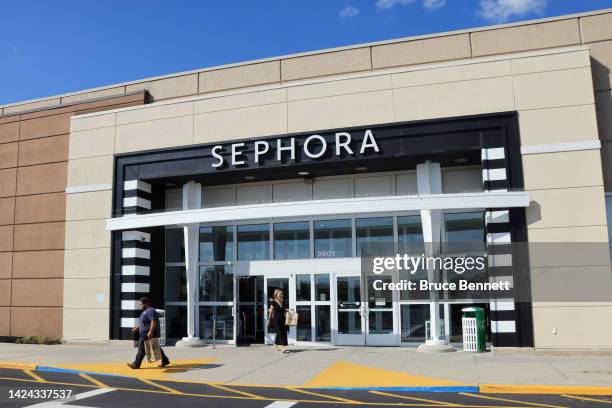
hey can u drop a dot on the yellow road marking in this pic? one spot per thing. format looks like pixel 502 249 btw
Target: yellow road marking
pixel 163 387
pixel 438 403
pixel 333 397
pixel 34 376
pixel 48 382
pixel 247 394
pixel 246 397
pixel 533 404
pixel 586 398
pixel 94 381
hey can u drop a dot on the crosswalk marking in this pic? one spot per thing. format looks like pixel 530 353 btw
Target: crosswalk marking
pixel 281 404
pixel 77 397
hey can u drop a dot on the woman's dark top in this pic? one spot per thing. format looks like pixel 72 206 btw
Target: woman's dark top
pixel 278 322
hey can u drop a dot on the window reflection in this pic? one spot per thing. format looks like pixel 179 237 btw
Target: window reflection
pixel 216 284
pixel 291 240
pixel 374 235
pixel 410 234
pixel 216 243
pixel 333 239
pixel 253 242
pixel 175 246
pixel 464 231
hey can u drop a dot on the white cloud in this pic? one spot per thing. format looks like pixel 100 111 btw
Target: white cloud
pixel 427 4
pixel 386 4
pixel 499 11
pixel 433 4
pixel 348 11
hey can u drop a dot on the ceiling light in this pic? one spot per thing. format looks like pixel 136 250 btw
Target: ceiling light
pixel 361 168
pixel 460 160
pixel 249 177
pixel 303 173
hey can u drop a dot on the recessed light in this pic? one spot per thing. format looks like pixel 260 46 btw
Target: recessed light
pixel 361 168
pixel 170 184
pixel 303 173
pixel 249 177
pixel 460 160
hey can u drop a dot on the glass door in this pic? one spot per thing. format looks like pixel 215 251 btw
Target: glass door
pixel 350 311
pixel 381 328
pixel 270 285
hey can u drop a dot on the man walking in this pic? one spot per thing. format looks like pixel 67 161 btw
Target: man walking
pixel 148 328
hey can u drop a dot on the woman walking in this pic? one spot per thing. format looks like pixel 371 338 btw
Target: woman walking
pixel 276 319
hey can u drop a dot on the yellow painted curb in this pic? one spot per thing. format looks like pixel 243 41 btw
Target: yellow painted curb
pixel 18 366
pixel 544 389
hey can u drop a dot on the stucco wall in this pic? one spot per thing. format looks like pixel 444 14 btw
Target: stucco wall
pixel 551 89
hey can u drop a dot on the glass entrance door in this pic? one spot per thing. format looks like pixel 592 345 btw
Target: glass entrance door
pixel 251 308
pixel 270 285
pixel 381 328
pixel 350 311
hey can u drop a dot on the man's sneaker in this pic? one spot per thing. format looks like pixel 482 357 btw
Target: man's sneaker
pixel 133 366
pixel 164 363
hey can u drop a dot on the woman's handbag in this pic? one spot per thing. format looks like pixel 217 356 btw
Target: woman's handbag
pixel 291 317
pixel 153 350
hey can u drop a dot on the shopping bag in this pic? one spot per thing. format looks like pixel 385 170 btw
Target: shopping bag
pixel 153 350
pixel 291 318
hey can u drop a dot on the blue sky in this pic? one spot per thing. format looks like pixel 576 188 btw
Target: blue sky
pixel 51 47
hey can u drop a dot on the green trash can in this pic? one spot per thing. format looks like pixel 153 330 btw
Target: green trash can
pixel 474 329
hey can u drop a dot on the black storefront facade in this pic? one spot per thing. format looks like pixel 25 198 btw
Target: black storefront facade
pixel 142 216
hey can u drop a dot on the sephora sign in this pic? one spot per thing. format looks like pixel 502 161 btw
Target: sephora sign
pixel 282 149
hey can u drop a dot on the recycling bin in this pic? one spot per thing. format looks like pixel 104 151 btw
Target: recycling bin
pixel 474 329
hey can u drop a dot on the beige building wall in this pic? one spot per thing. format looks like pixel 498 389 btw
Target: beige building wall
pixel 551 89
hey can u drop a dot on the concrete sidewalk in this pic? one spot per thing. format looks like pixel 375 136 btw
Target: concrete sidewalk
pixel 328 367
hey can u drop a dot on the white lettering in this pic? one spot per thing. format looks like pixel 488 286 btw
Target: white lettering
pixel 377 284
pixel 345 144
pixel 258 151
pixel 368 142
pixel 217 156
pixel 323 146
pixel 280 148
pixel 236 153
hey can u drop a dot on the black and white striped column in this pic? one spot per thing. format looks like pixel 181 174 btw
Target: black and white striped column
pixel 494 169
pixel 136 196
pixel 135 275
pixel 499 247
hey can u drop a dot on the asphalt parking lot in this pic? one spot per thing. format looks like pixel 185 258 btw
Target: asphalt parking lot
pixel 27 388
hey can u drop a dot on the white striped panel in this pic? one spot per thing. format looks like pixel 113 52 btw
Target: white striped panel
pixel 493 217
pixel 135 270
pixel 499 238
pixel 502 304
pixel 500 279
pixel 494 174
pixel 495 153
pixel 500 260
pixel 503 326
pixel 137 185
pixel 137 202
pixel 133 287
pixel 129 305
pixel 135 253
pixel 135 236
pixel 129 322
